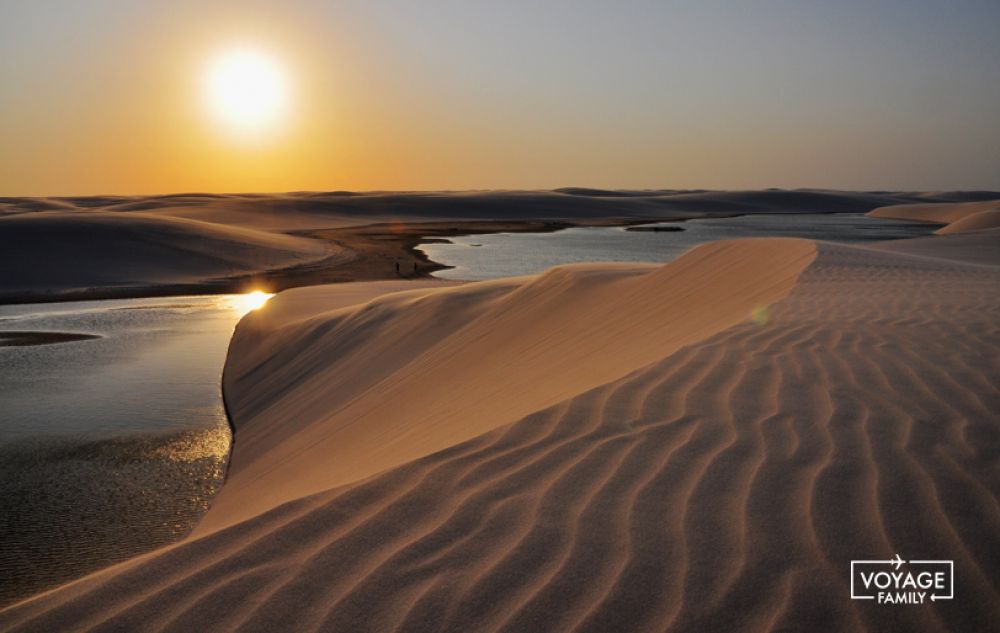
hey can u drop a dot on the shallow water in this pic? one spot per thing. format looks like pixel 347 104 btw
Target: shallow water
pixel 509 254
pixel 109 446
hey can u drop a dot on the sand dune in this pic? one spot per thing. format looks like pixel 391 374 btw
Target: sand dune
pixel 978 221
pixel 637 455
pixel 943 213
pixel 972 230
pixel 569 204
pixel 314 210
pixel 965 217
pixel 76 251
pixel 496 351
pixel 88 247
pixel 974 247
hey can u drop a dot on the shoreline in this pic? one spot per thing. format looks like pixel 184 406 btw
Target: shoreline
pixel 113 247
pixel 375 248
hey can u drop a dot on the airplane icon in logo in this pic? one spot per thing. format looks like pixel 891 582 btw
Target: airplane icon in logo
pixel 896 562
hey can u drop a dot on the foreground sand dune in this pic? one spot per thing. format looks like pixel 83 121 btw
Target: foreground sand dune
pixel 681 467
pixel 347 394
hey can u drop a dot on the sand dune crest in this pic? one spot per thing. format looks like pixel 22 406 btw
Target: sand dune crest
pixel 978 221
pixel 940 213
pixel 347 394
pixel 76 251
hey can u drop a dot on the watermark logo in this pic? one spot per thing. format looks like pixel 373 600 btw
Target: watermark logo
pixel 897 581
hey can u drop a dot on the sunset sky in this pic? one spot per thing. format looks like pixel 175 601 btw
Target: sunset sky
pixel 109 96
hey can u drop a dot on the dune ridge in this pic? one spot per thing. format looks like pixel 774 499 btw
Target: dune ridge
pixel 978 221
pixel 72 252
pixel 496 350
pixel 958 217
pixel 93 247
pixel 720 480
pixel 313 210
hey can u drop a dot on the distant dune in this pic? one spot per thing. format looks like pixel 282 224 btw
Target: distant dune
pixel 959 217
pixel 700 446
pixel 310 210
pixel 980 220
pixel 54 253
pixel 82 247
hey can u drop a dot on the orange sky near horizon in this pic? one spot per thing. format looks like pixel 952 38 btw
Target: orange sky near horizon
pixel 108 99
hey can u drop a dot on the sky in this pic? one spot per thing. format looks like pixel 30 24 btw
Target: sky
pixel 108 96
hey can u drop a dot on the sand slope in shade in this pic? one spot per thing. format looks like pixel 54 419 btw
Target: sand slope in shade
pixel 59 252
pixel 689 469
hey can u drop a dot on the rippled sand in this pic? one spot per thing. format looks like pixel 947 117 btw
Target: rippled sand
pixel 702 446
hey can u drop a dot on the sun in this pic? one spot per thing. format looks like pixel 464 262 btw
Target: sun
pixel 246 90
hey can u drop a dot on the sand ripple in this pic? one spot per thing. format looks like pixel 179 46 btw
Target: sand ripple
pixel 723 487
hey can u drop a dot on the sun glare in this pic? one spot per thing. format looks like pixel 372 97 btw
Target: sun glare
pixel 246 90
pixel 250 301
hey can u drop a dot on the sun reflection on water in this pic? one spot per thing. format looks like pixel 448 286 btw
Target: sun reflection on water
pixel 245 303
